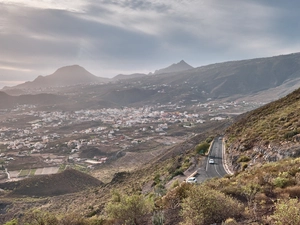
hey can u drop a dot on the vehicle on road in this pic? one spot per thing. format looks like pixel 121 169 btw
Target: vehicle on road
pixel 211 161
pixel 192 180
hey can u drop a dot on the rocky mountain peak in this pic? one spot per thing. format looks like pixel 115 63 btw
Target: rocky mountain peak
pixel 176 67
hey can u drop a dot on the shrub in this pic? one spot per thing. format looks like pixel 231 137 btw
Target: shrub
pixel 209 139
pixel 293 191
pixel 158 218
pixel 243 158
pixel 156 179
pixel 202 148
pixel 175 184
pixel 287 212
pixel 12 222
pixel 129 209
pixel 290 134
pixel 206 206
pixel 230 221
pixel 175 196
pixel 177 172
pixel 72 219
pixel 280 182
pixel 244 166
pixel 37 217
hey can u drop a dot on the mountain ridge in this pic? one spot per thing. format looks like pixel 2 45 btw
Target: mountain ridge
pixel 175 67
pixel 257 79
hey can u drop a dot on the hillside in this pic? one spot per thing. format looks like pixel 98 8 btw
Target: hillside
pixel 66 182
pixel 8 101
pixel 235 79
pixel 256 80
pixel 128 96
pixel 250 197
pixel 268 133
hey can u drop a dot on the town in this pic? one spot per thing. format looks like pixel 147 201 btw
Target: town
pixel 34 142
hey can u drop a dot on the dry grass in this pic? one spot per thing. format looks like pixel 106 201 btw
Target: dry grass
pixel 276 121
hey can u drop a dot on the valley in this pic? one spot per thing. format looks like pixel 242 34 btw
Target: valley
pixel 77 147
pixel 87 139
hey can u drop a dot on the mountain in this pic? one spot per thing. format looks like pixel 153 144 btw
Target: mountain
pixel 264 79
pixel 256 80
pixel 64 76
pixel 176 67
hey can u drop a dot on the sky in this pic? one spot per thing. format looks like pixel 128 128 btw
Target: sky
pixel 110 37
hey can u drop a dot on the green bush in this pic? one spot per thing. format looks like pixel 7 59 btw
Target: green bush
pixel 178 172
pixel 129 209
pixel 206 206
pixel 202 148
pixel 280 182
pixel 175 196
pixel 158 218
pixel 175 184
pixel 12 222
pixel 243 158
pixel 209 139
pixel 287 212
pixel 37 217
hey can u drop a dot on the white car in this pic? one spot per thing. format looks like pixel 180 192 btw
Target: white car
pixel 211 161
pixel 192 180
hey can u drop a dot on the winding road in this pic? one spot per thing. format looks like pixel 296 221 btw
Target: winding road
pixel 207 170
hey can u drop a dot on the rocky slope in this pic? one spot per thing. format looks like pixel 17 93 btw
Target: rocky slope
pixel 269 133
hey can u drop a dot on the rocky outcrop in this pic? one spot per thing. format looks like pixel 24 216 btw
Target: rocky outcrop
pixel 261 153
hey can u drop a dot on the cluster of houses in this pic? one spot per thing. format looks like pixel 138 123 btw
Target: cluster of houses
pixel 121 127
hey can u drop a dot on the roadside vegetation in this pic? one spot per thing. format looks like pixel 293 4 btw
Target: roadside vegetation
pixel 266 194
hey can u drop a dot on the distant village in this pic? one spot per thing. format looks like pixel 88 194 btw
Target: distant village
pixel 118 129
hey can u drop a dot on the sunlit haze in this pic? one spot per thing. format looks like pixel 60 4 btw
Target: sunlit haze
pixel 127 36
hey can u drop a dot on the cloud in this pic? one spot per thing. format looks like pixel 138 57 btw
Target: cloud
pixel 107 36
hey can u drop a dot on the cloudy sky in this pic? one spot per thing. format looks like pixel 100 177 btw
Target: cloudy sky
pixel 109 37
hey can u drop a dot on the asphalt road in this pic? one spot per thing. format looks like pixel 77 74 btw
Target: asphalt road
pixel 216 169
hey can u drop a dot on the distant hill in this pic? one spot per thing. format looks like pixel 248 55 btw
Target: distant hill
pixel 130 76
pixel 65 76
pixel 8 101
pixel 176 67
pixel 66 182
pixel 128 96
